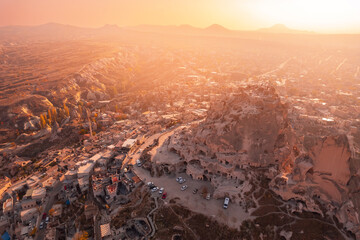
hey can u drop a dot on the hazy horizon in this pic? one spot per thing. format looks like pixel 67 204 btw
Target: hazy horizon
pixel 267 29
pixel 333 16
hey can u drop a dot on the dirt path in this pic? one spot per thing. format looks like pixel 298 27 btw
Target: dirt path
pixel 182 221
pixel 150 218
pixel 281 66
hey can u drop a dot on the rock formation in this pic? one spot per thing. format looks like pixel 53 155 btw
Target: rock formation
pixel 250 130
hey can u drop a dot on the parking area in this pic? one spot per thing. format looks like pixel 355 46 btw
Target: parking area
pixel 232 216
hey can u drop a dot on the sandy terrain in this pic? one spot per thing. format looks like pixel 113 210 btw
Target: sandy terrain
pixel 159 153
pixel 332 158
pixel 233 216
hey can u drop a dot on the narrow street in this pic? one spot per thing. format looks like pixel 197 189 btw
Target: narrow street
pixel 42 232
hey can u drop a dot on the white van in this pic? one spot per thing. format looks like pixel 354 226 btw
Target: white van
pixel 226 202
pixel 208 196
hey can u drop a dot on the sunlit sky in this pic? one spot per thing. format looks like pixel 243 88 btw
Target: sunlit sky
pixel 326 16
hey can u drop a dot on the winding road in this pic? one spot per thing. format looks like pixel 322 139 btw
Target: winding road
pixel 150 219
pixel 281 66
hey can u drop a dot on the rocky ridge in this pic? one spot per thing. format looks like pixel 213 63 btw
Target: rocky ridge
pixel 249 130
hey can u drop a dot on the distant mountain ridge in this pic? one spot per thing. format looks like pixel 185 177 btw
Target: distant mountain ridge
pixel 214 29
pixel 182 29
pixel 217 27
pixel 61 32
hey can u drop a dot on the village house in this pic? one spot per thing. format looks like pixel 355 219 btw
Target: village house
pixel 28 203
pixel 29 214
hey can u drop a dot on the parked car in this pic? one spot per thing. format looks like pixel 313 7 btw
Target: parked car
pixel 208 196
pixel 161 190
pixel 226 202
pixel 154 189
pixel 44 216
pixel 47 220
pixel 164 195
pixel 195 191
pixel 178 179
pixel 138 163
pixel 41 225
pixel 150 184
pixel 184 187
pixel 182 180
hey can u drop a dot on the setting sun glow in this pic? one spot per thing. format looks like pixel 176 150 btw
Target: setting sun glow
pixel 323 16
pixel 318 15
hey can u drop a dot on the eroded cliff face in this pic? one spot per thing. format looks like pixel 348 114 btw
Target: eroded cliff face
pixel 324 179
pixel 249 130
pixel 324 168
